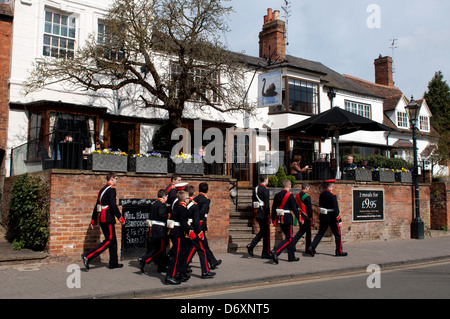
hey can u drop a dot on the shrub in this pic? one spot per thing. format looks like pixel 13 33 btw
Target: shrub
pixel 277 179
pixel 28 213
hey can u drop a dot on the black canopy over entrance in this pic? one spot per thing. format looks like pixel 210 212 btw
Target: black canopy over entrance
pixel 333 123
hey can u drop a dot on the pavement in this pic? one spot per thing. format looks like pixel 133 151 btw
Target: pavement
pixel 40 280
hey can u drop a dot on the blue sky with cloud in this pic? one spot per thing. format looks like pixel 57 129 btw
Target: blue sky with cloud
pixel 336 34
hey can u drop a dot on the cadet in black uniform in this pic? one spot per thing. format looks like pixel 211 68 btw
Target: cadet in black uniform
pixel 329 217
pixel 304 203
pixel 106 206
pixel 176 234
pixel 262 200
pixel 194 236
pixel 158 220
pixel 203 203
pixel 172 190
pixel 282 208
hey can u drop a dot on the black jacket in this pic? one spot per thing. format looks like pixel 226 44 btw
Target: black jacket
pixel 290 205
pixel 263 195
pixel 328 200
pixel 179 214
pixel 158 212
pixel 203 203
pixel 108 199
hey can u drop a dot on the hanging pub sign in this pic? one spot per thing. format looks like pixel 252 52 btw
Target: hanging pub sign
pixel 368 205
pixel 269 89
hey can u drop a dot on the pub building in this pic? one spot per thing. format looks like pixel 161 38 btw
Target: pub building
pixel 252 145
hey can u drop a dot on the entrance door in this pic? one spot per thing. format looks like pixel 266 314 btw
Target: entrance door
pixel 241 153
pixel 122 136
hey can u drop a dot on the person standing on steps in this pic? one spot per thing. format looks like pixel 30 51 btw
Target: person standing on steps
pixel 261 205
pixel 284 209
pixel 106 207
pixel 329 217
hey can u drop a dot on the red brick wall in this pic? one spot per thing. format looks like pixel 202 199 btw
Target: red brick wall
pixel 73 195
pixel 5 58
pixel 398 210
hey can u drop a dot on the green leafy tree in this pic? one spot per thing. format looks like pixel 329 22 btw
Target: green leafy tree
pixel 438 99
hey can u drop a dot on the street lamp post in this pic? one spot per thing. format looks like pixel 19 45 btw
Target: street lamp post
pixel 417 225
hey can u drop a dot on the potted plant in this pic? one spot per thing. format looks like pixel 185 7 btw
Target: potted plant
pixel 403 176
pixel 191 164
pixel 359 174
pixel 383 175
pixel 363 175
pixel 148 163
pixel 107 160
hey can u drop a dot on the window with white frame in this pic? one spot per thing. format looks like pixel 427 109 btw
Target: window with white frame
pixel 364 110
pixel 59 34
pixel 402 119
pixel 113 51
pixel 303 96
pixel 205 78
pixel 424 123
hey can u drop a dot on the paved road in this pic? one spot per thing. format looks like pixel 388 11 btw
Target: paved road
pixel 425 281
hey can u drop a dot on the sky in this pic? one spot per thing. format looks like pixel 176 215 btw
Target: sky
pixel 348 35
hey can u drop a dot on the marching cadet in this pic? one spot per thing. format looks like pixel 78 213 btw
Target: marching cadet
pixel 261 205
pixel 303 201
pixel 106 206
pixel 283 207
pixel 172 190
pixel 204 203
pixel 158 220
pixel 329 217
pixel 176 235
pixel 195 236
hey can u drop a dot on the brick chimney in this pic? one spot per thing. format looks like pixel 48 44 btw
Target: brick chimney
pixel 383 71
pixel 272 45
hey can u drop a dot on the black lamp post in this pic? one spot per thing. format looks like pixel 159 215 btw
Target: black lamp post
pixel 417 225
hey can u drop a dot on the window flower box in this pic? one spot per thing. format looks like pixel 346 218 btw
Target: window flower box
pixel 403 177
pixel 188 164
pixel 360 175
pixel 107 161
pixel 152 163
pixel 189 168
pixel 383 176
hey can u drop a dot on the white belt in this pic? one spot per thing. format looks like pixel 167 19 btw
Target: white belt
pixel 325 211
pixel 176 224
pixel 189 221
pixel 156 222
pixel 281 212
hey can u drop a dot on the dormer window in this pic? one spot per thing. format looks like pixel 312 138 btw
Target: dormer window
pixel 402 120
pixel 424 123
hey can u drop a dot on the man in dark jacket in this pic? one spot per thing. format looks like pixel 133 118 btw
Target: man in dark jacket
pixel 303 201
pixel 158 220
pixel 204 203
pixel 106 207
pixel 176 235
pixel 329 217
pixel 194 237
pixel 284 209
pixel 261 206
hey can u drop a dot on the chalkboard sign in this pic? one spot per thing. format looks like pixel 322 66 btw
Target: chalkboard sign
pixel 368 205
pixel 135 231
